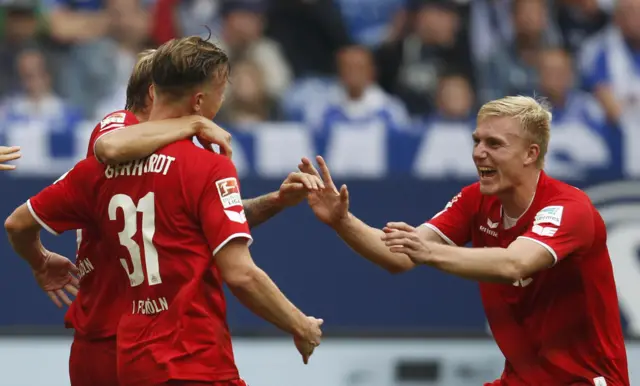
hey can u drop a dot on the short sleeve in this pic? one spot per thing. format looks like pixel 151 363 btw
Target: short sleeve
pixel 65 204
pixel 220 209
pixel 453 223
pixel 112 122
pixel 562 228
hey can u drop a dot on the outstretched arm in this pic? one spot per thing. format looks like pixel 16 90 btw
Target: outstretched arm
pixel 138 141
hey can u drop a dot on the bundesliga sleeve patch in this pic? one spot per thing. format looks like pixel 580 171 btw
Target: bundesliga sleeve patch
pixel 116 119
pixel 549 215
pixel 229 192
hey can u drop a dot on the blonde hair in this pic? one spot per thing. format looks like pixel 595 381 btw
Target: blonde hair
pixel 533 116
pixel 139 82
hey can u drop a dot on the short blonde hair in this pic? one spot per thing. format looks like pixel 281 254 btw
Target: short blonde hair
pixel 533 116
pixel 139 82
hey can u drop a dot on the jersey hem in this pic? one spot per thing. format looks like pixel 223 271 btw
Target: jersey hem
pixel 439 232
pixel 548 248
pixel 234 236
pixel 39 220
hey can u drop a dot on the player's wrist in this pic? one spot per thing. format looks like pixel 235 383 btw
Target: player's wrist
pixel 342 223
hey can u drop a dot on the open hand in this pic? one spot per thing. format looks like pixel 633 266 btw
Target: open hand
pixel 56 276
pixel 328 204
pixel 311 339
pixel 297 186
pixel 401 237
pixel 9 154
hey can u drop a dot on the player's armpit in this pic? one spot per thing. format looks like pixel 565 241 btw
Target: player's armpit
pixel 530 256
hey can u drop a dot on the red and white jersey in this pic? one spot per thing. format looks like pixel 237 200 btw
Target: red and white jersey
pixel 160 220
pixel 560 326
pixel 97 309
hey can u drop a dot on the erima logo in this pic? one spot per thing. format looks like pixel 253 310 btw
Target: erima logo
pixel 491 224
pixel 619 205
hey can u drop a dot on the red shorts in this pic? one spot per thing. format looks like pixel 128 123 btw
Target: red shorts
pixel 235 382
pixel 93 362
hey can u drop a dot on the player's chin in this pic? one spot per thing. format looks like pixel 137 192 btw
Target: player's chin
pixel 489 187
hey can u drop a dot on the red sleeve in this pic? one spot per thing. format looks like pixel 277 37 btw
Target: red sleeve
pixel 454 222
pixel 563 227
pixel 65 205
pixel 220 208
pixel 112 122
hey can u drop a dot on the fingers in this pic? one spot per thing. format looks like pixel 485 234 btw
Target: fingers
pixel 307 167
pixel 71 289
pixel 73 269
pixel 62 295
pixel 9 154
pixel 54 299
pixel 324 169
pixel 310 182
pixel 401 226
pixel 344 194
pixel 225 149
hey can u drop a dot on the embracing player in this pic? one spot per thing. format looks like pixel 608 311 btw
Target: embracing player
pixel 539 253
pixel 95 313
pixel 7 154
pixel 164 216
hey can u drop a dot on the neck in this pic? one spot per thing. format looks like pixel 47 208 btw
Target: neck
pixel 168 110
pixel 517 201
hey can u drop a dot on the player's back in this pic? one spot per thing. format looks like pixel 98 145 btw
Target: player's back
pixel 96 311
pixel 164 217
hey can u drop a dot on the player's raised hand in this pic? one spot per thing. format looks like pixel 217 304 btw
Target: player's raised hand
pixel 307 343
pixel 9 154
pixel 209 133
pixel 57 276
pixel 401 237
pixel 329 205
pixel 295 188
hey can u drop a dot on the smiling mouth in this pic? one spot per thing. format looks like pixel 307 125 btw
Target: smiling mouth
pixel 486 172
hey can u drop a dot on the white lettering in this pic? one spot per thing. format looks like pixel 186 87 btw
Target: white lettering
pixel 150 306
pixel 153 164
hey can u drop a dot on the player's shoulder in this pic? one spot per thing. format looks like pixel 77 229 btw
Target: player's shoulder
pixel 86 169
pixel 115 119
pixel 195 158
pixel 558 195
pixel 471 192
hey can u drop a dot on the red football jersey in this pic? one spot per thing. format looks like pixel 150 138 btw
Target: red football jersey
pixel 163 218
pixel 562 325
pixel 97 309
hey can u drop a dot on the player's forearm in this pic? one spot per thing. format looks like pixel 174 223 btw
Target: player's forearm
pixel 260 209
pixel 366 241
pixel 25 240
pixel 260 294
pixel 139 141
pixel 481 264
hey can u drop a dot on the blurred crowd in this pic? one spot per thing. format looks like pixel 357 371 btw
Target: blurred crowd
pixel 404 64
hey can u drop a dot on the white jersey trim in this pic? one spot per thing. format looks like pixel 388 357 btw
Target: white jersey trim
pixel 548 248
pixel 99 137
pixel 439 232
pixel 234 236
pixel 39 220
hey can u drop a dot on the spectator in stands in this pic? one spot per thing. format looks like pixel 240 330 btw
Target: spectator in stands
pixel 243 38
pixel 610 63
pixel 410 67
pixel 512 69
pixel 455 100
pixel 374 22
pixel 580 19
pixel 19 29
pixel 130 34
pixel 248 100
pixel 38 117
pixel 357 100
pixel 176 18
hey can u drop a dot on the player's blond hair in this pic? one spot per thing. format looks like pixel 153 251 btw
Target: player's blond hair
pixel 533 116
pixel 139 82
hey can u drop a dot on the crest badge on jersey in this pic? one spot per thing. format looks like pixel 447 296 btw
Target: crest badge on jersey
pixel 115 118
pixel 229 192
pixel 549 215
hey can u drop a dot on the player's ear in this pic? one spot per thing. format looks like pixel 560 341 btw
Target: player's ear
pixel 533 152
pixel 198 100
pixel 151 92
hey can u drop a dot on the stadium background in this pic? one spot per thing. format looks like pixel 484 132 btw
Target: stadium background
pixel 302 84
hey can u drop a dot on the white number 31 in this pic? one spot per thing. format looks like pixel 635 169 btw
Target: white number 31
pixel 146 206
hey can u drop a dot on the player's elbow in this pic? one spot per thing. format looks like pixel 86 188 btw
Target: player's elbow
pixel 107 151
pixel 13 224
pixel 512 269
